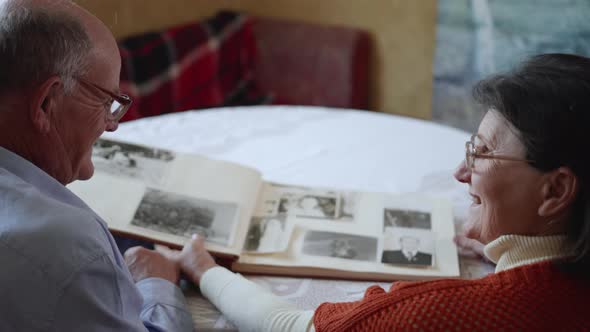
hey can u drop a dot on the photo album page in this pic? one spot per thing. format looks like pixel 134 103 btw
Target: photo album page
pixel 166 196
pixel 370 235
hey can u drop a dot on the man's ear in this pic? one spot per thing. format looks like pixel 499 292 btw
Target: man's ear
pixel 559 192
pixel 44 102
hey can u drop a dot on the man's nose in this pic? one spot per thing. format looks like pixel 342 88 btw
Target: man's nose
pixel 112 125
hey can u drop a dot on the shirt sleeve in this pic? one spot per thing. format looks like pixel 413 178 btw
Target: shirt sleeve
pixel 102 297
pixel 249 306
pixel 164 307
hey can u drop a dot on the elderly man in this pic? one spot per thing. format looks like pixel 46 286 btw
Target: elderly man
pixel 60 268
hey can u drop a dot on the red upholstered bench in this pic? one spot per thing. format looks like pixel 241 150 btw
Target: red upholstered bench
pixel 235 59
pixel 309 64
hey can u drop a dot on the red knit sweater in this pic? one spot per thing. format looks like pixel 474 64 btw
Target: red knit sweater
pixel 531 297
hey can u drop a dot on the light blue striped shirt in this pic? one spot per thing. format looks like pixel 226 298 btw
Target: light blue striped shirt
pixel 60 269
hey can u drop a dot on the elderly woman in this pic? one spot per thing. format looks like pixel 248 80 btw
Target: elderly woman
pixel 527 174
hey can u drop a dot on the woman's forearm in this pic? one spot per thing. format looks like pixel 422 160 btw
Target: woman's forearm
pixel 249 306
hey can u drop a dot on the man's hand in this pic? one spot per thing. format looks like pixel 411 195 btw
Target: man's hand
pixel 194 260
pixel 144 263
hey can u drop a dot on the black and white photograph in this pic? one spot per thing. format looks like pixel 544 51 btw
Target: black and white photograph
pixel 184 216
pixel 339 245
pixel 413 247
pixel 406 218
pixel 307 202
pixel 269 207
pixel 130 160
pixel 348 204
pixel 267 235
pixel 309 205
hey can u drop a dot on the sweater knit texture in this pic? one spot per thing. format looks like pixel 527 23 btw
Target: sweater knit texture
pixel 530 297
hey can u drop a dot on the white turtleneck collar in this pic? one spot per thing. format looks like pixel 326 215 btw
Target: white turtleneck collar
pixel 510 251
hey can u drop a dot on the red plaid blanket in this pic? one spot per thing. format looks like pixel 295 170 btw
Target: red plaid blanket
pixel 198 65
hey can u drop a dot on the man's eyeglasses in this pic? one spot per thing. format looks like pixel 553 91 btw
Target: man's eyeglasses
pixel 120 104
pixel 471 154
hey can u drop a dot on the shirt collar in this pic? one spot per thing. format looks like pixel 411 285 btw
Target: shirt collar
pixel 38 178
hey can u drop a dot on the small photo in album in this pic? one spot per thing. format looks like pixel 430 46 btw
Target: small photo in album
pixel 267 235
pixel 269 207
pixel 339 245
pixel 406 218
pixel 348 204
pixel 130 160
pixel 308 202
pixel 181 215
pixel 305 205
pixel 407 246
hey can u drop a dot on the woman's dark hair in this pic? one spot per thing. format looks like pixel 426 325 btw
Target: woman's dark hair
pixel 547 99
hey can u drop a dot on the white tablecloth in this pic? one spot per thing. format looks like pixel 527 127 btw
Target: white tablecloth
pixel 322 147
pixel 310 145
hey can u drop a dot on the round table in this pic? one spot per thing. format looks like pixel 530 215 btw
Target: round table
pixel 316 146
pixel 310 145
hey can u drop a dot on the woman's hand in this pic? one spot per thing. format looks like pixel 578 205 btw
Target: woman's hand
pixel 469 247
pixel 194 260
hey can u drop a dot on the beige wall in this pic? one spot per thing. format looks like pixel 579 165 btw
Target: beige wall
pixel 403 32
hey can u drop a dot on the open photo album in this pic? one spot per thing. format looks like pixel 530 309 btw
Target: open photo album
pixel 269 228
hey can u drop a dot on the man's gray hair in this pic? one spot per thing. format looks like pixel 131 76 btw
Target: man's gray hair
pixel 38 42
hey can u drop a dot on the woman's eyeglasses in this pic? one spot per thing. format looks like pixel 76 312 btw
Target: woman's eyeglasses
pixel 471 154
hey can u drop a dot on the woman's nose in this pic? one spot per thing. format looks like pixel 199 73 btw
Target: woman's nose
pixel 463 173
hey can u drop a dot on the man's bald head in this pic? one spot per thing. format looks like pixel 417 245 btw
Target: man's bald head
pixel 47 116
pixel 42 38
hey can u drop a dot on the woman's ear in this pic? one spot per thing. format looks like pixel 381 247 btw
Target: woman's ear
pixel 45 100
pixel 559 192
